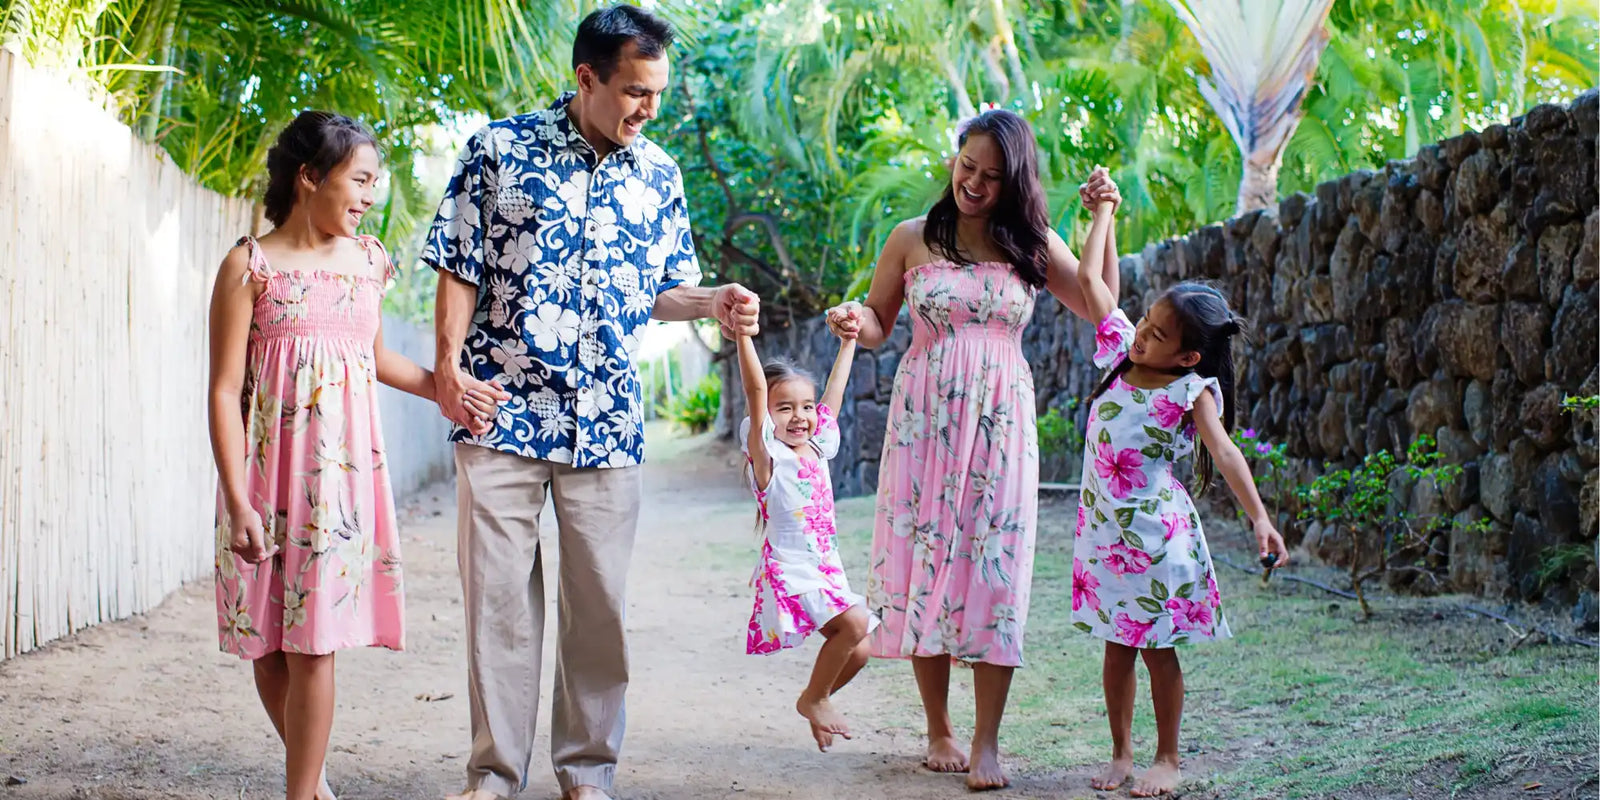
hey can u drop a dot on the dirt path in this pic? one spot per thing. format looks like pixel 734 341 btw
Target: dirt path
pixel 148 708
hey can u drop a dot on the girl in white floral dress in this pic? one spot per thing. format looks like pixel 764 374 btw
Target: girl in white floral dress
pixel 308 555
pixel 1142 577
pixel 800 583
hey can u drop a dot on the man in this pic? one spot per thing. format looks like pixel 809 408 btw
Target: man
pixel 562 233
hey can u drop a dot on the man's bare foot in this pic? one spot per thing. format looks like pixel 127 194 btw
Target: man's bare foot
pixel 985 772
pixel 585 793
pixel 944 755
pixel 1162 778
pixel 475 794
pixel 823 716
pixel 1115 774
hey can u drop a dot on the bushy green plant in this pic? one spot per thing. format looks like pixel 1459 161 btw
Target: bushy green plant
pixel 697 409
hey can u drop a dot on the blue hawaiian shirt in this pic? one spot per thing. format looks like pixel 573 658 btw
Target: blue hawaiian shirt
pixel 568 253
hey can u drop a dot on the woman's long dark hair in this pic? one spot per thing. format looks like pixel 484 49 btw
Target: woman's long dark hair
pixel 1208 326
pixel 1020 222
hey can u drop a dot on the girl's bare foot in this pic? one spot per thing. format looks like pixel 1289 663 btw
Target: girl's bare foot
pixel 944 755
pixel 325 792
pixel 822 716
pixel 1162 778
pixel 1115 774
pixel 824 739
pixel 985 772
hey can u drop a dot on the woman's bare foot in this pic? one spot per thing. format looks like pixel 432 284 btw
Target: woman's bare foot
pixel 944 755
pixel 823 716
pixel 1162 778
pixel 985 772
pixel 1115 774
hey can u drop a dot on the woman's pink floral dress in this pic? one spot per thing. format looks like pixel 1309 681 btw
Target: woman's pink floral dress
pixel 314 471
pixel 958 486
pixel 1141 573
pixel 799 582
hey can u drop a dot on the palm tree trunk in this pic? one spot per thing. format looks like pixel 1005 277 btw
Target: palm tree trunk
pixel 1258 186
pixel 151 119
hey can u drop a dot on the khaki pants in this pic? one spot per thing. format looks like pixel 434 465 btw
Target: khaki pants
pixel 502 579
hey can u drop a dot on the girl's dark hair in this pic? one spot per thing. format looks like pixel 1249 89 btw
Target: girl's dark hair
pixel 1019 223
pixel 319 141
pixel 1208 326
pixel 782 370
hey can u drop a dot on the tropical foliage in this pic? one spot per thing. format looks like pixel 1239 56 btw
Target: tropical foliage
pixel 808 128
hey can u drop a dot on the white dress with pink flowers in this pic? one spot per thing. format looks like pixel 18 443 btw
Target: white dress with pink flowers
pixel 1141 573
pixel 799 582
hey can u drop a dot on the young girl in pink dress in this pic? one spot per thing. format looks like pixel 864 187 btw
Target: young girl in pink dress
pixel 1142 576
pixel 308 556
pixel 800 584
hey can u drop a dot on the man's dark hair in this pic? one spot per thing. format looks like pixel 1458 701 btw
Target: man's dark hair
pixel 603 34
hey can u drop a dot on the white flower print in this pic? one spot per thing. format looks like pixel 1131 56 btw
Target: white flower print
pixel 573 195
pixel 640 202
pixel 519 253
pixel 464 219
pixel 552 326
pixel 512 356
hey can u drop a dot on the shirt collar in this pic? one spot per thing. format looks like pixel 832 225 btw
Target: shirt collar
pixel 574 138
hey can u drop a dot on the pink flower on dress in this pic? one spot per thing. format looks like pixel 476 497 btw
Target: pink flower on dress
pixel 1083 519
pixel 1083 588
pixel 1213 597
pixel 1132 632
pixel 1108 338
pixel 1168 413
pixel 1176 524
pixel 1187 615
pixel 1124 560
pixel 1124 469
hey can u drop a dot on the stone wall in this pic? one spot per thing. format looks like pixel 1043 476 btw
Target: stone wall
pixel 1453 294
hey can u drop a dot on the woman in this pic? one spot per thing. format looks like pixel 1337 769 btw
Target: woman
pixel 952 550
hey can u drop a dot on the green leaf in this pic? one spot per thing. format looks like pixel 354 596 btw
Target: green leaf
pixel 1108 411
pixel 1139 395
pixel 1105 436
pixel 1099 517
pixel 1158 590
pixel 1149 605
pixel 1159 557
pixel 1104 617
pixel 1186 590
pixel 1132 539
pixel 1158 434
pixel 1083 626
pixel 1125 516
pixel 1153 450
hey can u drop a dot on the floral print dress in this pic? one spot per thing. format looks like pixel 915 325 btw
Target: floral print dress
pixel 1141 572
pixel 314 471
pixel 958 485
pixel 799 582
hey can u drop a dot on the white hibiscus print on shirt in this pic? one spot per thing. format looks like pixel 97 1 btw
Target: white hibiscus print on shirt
pixel 552 326
pixel 640 202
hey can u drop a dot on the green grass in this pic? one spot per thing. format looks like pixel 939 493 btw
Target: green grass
pixel 1307 699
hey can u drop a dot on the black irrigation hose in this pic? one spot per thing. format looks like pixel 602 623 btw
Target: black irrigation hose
pixel 1548 634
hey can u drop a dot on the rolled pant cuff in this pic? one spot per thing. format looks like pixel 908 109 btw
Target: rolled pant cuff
pixel 600 777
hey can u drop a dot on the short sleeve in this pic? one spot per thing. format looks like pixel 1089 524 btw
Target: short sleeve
pixel 1113 337
pixel 455 241
pixel 826 438
pixel 682 267
pixel 1198 384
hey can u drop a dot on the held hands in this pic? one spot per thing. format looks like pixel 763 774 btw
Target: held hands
pixel 844 320
pixel 737 309
pixel 1099 189
pixel 469 402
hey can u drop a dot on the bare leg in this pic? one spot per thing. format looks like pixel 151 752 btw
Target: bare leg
pixel 933 682
pixel 858 661
pixel 1166 690
pixel 307 721
pixel 848 630
pixel 272 684
pixel 992 684
pixel 1120 684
